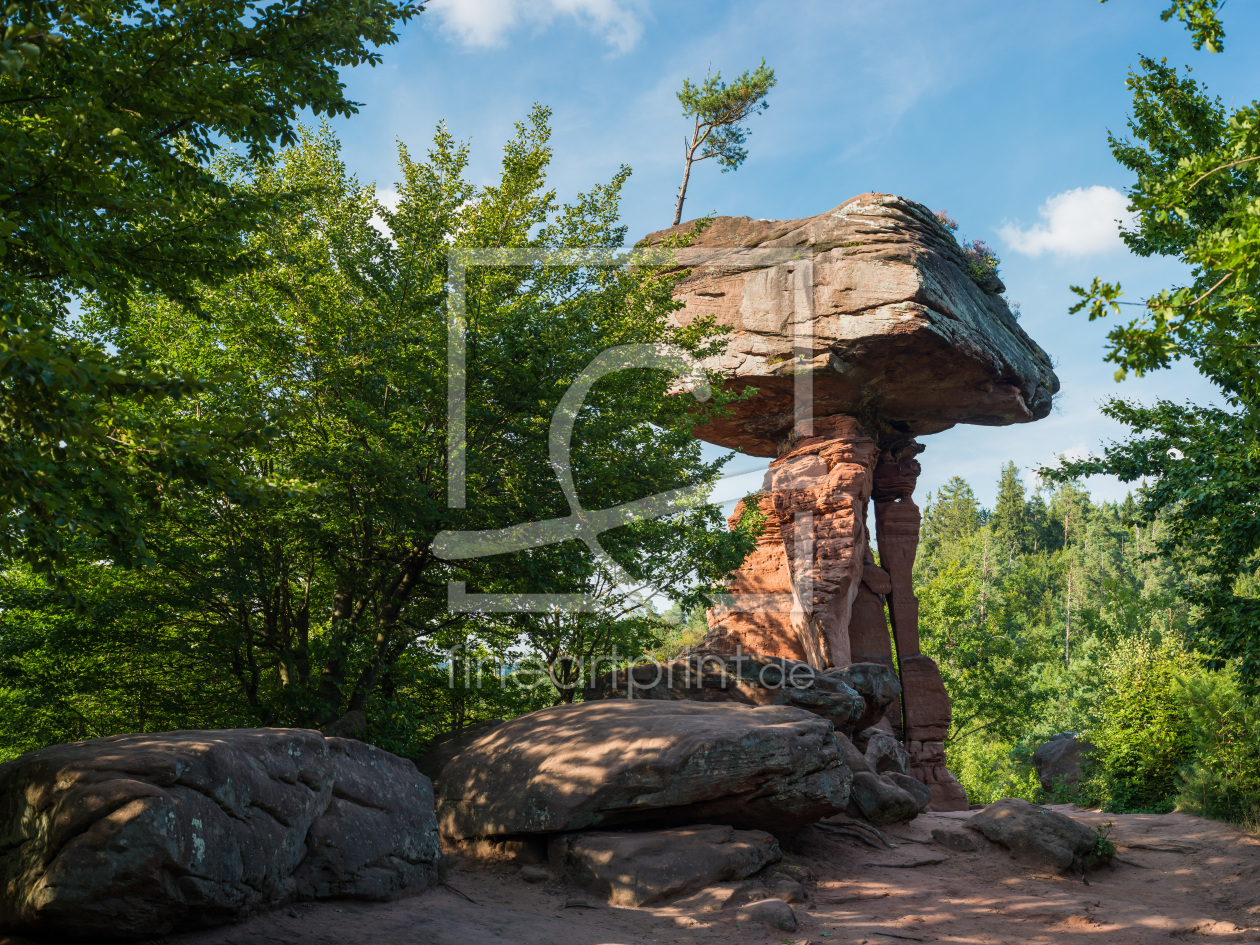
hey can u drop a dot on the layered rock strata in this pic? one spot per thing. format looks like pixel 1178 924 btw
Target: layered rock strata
pixel 656 762
pixel 873 307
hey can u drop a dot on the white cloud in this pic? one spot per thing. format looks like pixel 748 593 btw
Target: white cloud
pixel 488 22
pixel 1074 223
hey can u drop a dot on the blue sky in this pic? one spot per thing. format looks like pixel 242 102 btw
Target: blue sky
pixel 997 111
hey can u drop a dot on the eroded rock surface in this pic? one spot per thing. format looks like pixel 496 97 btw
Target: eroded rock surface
pixel 872 304
pixel 846 697
pixel 139 835
pixel 1059 761
pixel 619 761
pixel 633 869
pixel 1034 834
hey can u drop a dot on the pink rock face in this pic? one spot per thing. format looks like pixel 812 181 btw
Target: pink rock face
pixel 873 305
pixel 812 551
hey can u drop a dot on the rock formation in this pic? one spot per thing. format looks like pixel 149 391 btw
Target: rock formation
pixel 851 333
pixel 1059 761
pixel 139 835
pixel 633 869
pixel 654 762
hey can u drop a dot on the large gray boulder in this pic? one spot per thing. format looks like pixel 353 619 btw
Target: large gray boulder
pixel 663 762
pixel 1034 834
pixel 140 835
pixel 1059 761
pixel 634 869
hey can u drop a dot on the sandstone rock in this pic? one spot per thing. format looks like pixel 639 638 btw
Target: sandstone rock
pixel 1059 760
pixel 921 793
pixel 620 761
pixel 928 710
pixel 140 835
pixel 878 292
pixel 879 801
pixel 785 888
pixel 750 680
pixel 1033 834
pixel 957 840
pixel 877 684
pixel 774 913
pixel 853 759
pixel 634 869
pixel 445 747
pixel 535 874
pixel 811 556
pixel 377 838
pixel 884 753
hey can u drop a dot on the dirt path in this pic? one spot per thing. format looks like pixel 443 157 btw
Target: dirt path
pixel 1186 880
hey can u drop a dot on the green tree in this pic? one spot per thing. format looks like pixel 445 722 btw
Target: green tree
pixel 326 595
pixel 109 114
pixel 1013 530
pixel 719 111
pixel 1198 180
pixel 949 516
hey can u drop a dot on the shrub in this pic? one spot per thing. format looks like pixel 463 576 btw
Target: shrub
pixel 982 261
pixel 1143 738
pixel 1223 778
pixel 947 221
pixel 990 770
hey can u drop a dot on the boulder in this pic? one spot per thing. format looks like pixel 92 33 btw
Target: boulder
pixel 876 682
pixel 879 294
pixel 879 801
pixel 846 696
pixel 634 869
pixel 780 886
pixel 746 679
pixel 884 753
pixel 921 793
pixel 645 761
pixel 1034 834
pixel 445 747
pixel 141 835
pixel 1059 761
pixel 853 758
pixel 377 838
pixel 774 913
pixel 957 840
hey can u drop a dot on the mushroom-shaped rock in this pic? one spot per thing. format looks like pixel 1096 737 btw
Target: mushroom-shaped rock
pixel 874 303
pixel 850 333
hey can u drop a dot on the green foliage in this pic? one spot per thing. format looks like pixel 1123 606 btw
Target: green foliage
pixel 1200 19
pixel 1223 778
pixel 109 114
pixel 1196 199
pixel 1103 850
pixel 324 594
pixel 1142 736
pixel 990 769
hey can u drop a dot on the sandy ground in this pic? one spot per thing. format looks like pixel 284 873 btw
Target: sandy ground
pixel 1183 880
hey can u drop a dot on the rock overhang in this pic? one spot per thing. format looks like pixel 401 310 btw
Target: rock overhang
pixel 872 304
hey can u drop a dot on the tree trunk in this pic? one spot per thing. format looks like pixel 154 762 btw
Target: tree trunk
pixel 682 191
